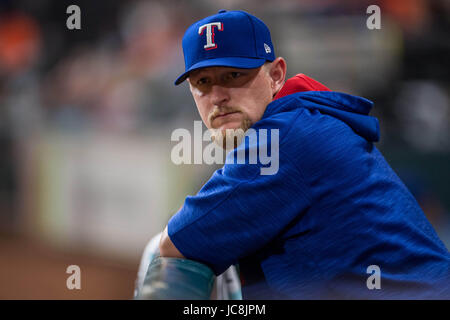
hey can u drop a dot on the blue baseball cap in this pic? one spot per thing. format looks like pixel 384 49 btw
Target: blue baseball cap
pixel 227 39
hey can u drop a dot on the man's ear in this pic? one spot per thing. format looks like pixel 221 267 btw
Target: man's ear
pixel 277 73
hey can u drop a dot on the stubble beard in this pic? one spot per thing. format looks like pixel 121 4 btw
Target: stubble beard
pixel 230 139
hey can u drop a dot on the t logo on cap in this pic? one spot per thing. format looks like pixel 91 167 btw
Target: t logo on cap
pixel 210 34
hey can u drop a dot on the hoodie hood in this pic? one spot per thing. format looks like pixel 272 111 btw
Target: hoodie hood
pixel 300 83
pixel 301 91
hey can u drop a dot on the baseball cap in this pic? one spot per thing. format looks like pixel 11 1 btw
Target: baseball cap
pixel 227 39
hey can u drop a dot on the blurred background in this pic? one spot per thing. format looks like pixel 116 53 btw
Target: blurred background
pixel 86 118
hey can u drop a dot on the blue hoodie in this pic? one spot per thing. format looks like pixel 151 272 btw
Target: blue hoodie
pixel 334 222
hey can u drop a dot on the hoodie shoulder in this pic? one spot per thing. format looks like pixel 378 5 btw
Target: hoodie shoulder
pixel 318 128
pixel 351 110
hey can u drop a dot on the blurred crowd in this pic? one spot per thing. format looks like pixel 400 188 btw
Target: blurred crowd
pixel 116 75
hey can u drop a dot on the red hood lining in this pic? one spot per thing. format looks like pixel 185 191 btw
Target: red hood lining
pixel 300 83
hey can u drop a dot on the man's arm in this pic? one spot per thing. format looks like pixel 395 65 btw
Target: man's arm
pixel 172 276
pixel 167 248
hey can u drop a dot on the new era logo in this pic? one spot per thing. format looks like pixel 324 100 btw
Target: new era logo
pixel 267 48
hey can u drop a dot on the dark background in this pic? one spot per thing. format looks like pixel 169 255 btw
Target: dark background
pixel 86 118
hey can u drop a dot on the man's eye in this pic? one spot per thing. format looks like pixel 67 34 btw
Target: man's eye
pixel 202 81
pixel 232 75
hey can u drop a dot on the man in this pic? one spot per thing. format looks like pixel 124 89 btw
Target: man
pixel 334 221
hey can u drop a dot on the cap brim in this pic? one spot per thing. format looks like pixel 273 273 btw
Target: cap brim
pixel 235 62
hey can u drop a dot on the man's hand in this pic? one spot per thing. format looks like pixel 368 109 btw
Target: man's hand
pixel 167 248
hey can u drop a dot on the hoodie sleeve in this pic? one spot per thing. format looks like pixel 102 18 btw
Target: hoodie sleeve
pixel 241 208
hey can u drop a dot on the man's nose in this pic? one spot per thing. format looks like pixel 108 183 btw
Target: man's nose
pixel 219 95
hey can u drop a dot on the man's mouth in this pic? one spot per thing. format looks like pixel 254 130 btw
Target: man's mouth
pixel 224 114
pixel 222 118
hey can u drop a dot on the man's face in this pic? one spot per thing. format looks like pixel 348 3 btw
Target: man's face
pixel 230 98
